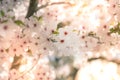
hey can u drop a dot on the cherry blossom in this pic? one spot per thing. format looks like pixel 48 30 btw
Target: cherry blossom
pixel 86 28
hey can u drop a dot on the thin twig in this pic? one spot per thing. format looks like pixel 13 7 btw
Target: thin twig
pixel 34 3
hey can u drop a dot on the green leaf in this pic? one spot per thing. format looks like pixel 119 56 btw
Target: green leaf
pixel 40 18
pixel 115 29
pixel 91 34
pixel 2 13
pixel 56 32
pixel 62 24
pixel 53 40
pixel 19 22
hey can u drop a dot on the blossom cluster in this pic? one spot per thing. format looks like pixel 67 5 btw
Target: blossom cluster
pixel 62 27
